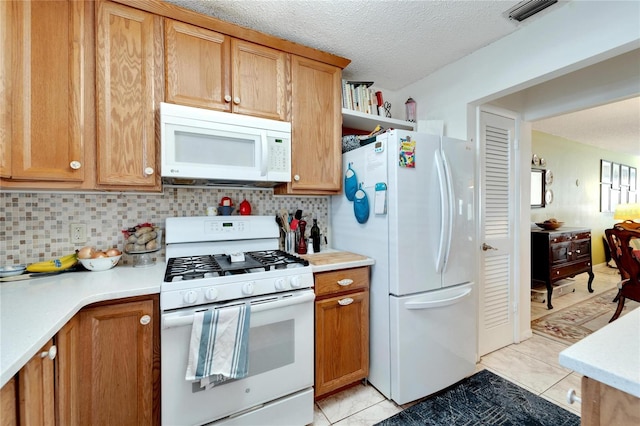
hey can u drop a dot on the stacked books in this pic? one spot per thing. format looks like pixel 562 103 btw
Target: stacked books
pixel 359 96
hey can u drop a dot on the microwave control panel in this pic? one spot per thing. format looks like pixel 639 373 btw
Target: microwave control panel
pixel 279 154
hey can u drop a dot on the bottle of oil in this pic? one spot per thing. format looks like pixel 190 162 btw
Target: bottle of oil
pixel 315 236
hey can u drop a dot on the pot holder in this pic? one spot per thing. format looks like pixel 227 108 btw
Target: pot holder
pixel 350 183
pixel 361 205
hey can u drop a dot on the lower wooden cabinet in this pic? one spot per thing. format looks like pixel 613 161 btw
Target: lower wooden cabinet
pixel 9 404
pixel 342 329
pixel 29 397
pixel 103 370
pixel 36 388
pixel 116 379
pixel 603 405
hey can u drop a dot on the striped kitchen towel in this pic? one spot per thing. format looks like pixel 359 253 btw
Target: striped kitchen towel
pixel 219 344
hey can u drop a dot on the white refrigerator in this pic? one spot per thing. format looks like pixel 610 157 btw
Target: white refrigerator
pixel 408 203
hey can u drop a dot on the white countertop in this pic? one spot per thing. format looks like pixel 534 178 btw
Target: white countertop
pixel 32 311
pixel 611 355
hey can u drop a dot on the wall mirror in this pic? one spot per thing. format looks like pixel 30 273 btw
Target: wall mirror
pixel 538 178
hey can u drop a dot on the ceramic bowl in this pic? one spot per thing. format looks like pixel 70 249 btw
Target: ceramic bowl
pixel 549 225
pixel 12 270
pixel 100 263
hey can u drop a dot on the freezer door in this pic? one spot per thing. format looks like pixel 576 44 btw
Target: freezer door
pixel 415 199
pixel 433 341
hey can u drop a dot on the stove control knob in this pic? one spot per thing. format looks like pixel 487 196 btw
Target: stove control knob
pixel 281 284
pixel 295 282
pixel 211 293
pixel 247 288
pixel 190 297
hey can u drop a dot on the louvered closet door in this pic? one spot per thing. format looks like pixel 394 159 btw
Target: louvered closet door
pixel 496 320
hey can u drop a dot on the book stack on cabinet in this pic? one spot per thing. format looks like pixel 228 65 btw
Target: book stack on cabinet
pixel 359 96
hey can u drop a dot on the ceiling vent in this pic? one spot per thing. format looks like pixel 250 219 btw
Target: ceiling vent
pixel 525 9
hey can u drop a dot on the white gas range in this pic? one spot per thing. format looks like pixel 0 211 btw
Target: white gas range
pixel 218 261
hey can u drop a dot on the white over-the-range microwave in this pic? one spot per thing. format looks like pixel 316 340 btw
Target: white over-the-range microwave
pixel 205 147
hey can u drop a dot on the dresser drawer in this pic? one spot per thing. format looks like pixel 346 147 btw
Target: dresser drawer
pixel 341 280
pixel 570 270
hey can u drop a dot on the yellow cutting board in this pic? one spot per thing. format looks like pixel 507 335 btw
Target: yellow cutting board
pixel 331 258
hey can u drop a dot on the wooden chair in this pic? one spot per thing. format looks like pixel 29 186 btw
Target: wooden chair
pixel 628 261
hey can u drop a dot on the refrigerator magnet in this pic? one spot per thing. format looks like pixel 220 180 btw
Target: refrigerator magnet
pixel 361 206
pixel 380 199
pixel 350 183
pixel 407 157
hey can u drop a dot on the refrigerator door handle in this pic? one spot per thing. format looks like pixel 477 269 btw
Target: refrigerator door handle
pixel 444 208
pixel 450 208
pixel 438 303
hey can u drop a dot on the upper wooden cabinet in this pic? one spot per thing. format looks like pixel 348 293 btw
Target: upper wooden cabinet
pixel 129 87
pixel 316 127
pixel 211 70
pixel 46 91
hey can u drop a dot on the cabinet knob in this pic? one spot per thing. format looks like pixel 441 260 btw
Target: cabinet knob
pixel 236 100
pixel 145 319
pixel 296 178
pixel 572 397
pixel 346 301
pixel 227 98
pixel 569 253
pixel 51 353
pixel 75 165
pixel 345 282
pixel 578 251
pixel 148 171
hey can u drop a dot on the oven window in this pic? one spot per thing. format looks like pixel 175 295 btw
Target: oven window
pixel 271 346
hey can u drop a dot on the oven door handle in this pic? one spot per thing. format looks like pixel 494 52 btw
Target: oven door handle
pixel 177 320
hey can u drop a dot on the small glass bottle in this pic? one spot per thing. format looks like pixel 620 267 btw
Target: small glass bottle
pixel 302 242
pixel 315 236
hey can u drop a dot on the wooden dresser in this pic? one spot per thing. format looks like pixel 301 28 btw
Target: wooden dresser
pixel 559 254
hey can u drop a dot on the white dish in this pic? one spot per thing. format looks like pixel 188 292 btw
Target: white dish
pixel 12 270
pixel 100 263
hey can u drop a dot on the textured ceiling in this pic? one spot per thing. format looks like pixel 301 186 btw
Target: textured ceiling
pixel 615 127
pixel 393 43
pixel 397 42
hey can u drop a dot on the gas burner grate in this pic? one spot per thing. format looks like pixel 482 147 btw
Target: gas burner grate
pixel 191 267
pixel 195 267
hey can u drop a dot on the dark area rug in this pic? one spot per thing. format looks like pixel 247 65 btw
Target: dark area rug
pixel 484 399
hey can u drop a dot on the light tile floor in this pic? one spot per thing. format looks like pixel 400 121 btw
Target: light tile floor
pixel 531 364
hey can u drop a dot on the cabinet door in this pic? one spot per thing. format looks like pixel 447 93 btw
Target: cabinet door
pixel 129 90
pixel 560 253
pixel 316 160
pixel 68 373
pixel 198 66
pixel 260 80
pixel 8 404
pixel 46 90
pixel 117 386
pixel 36 389
pixel 342 341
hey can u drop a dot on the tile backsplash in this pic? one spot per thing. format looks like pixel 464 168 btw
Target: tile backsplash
pixel 36 226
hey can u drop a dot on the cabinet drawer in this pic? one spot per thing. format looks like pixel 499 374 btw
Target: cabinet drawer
pixel 341 280
pixel 569 270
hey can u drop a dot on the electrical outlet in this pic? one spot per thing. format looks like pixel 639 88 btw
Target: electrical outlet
pixel 78 233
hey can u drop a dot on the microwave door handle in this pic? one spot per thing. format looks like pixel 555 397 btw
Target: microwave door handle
pixel 264 151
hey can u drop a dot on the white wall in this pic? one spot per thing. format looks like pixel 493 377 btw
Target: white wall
pixel 579 34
